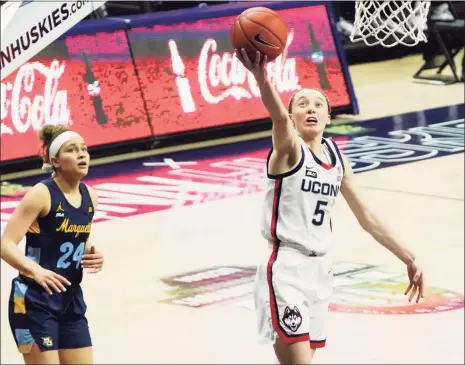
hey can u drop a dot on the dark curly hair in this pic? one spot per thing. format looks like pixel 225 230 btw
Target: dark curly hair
pixel 47 134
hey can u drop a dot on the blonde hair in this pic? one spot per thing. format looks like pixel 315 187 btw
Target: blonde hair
pixel 289 108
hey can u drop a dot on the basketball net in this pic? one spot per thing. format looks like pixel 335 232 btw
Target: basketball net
pixel 390 23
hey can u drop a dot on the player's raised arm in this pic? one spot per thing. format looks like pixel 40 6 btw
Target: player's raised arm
pixel 285 138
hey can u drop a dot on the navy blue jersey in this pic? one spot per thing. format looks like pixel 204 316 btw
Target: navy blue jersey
pixel 57 241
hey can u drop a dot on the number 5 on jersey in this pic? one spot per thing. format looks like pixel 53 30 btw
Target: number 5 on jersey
pixel 319 215
pixel 67 249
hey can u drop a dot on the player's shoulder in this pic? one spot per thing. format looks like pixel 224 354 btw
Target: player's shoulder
pixel 91 190
pixel 93 194
pixel 37 195
pixel 331 142
pixel 40 189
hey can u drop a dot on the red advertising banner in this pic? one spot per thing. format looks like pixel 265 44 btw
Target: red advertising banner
pixel 187 79
pixel 191 80
pixel 86 81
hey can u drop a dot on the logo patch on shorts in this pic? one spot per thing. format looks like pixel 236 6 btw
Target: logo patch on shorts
pixel 47 341
pixel 292 318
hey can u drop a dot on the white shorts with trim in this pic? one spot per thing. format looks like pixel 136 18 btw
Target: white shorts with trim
pixel 292 293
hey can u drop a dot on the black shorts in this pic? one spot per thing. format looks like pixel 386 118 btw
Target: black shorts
pixel 51 322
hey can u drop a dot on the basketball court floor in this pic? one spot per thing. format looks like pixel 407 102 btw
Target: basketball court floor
pixel 180 234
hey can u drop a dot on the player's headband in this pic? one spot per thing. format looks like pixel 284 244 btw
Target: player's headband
pixel 55 147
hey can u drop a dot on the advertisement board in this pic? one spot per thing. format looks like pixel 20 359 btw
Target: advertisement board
pixel 191 80
pixel 160 75
pixel 86 81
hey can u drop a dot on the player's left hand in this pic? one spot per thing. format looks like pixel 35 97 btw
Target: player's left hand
pixel 92 261
pixel 416 282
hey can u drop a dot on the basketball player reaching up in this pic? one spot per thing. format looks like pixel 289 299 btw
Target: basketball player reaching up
pixel 305 172
pixel 46 307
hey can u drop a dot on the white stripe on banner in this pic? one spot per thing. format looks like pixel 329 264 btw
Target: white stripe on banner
pixel 33 25
pixel 8 10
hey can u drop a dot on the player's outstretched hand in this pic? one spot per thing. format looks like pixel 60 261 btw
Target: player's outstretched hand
pixel 50 280
pixel 256 67
pixel 93 261
pixel 416 282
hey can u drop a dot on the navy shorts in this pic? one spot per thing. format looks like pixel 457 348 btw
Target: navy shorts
pixel 52 322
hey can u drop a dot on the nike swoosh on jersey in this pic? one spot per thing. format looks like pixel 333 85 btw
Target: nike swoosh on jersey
pixel 258 38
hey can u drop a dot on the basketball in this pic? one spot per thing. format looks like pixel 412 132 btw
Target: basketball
pixel 259 29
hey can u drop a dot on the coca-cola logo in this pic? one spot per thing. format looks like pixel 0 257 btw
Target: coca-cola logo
pixel 26 106
pixel 222 75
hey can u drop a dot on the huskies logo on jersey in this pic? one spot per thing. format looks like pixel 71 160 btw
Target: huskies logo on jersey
pixel 292 318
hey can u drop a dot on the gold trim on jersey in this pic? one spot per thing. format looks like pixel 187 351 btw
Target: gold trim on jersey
pixel 25 349
pixel 34 228
pixel 19 291
pixel 20 305
pixel 27 275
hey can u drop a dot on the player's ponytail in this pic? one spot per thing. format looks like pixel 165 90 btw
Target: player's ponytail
pixel 47 134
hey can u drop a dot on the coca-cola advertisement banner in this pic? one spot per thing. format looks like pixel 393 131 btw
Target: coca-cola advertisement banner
pixel 187 78
pixel 86 81
pixel 191 80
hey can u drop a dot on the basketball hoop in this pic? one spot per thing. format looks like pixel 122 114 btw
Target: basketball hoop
pixel 390 23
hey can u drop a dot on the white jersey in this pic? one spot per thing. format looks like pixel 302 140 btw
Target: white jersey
pixel 298 204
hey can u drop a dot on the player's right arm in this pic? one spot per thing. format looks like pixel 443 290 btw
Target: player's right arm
pixel 286 147
pixel 36 202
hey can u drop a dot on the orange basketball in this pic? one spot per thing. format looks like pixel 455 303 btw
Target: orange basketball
pixel 259 29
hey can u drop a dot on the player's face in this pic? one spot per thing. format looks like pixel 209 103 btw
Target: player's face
pixel 73 158
pixel 310 113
